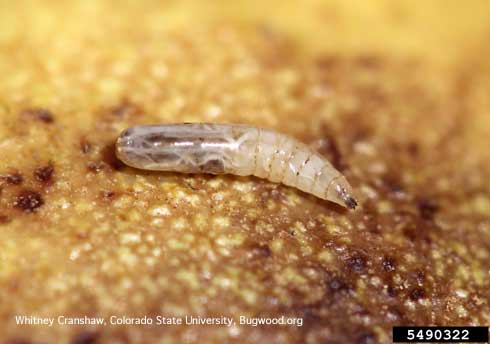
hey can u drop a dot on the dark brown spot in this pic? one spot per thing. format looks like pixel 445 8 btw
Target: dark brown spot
pixel 110 158
pixel 413 149
pixel 392 291
pixel 366 338
pixel 416 232
pixel 85 337
pixel 44 173
pixel 410 233
pixel 4 219
pixel 85 146
pixel 262 251
pixel 95 166
pixel 427 208
pixel 28 201
pixel 417 294
pixel 389 264
pixel 357 263
pixel 14 178
pixel 45 116
pixel 125 108
pixel 40 114
pixel 108 195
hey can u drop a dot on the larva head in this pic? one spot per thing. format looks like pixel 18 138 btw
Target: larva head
pixel 125 148
pixel 178 148
pixel 145 147
pixel 340 192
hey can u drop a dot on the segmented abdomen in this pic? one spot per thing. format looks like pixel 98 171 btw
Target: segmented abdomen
pixel 235 149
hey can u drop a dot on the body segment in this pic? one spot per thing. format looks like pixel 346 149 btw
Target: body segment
pixel 234 149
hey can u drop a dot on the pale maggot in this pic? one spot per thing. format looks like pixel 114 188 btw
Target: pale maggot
pixel 236 149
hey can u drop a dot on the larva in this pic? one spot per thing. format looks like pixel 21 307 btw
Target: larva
pixel 236 149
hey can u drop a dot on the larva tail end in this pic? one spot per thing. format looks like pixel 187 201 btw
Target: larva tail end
pixel 350 202
pixel 340 192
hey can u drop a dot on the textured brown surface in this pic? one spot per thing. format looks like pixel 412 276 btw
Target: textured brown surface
pixel 396 96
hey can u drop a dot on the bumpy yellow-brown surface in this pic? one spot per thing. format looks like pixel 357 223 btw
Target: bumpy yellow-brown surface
pixel 396 94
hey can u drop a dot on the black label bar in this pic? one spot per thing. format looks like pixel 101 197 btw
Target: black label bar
pixel 440 334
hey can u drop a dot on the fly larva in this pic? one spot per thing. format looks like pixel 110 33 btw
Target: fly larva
pixel 236 149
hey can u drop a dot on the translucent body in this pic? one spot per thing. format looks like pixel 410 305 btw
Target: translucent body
pixel 235 149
